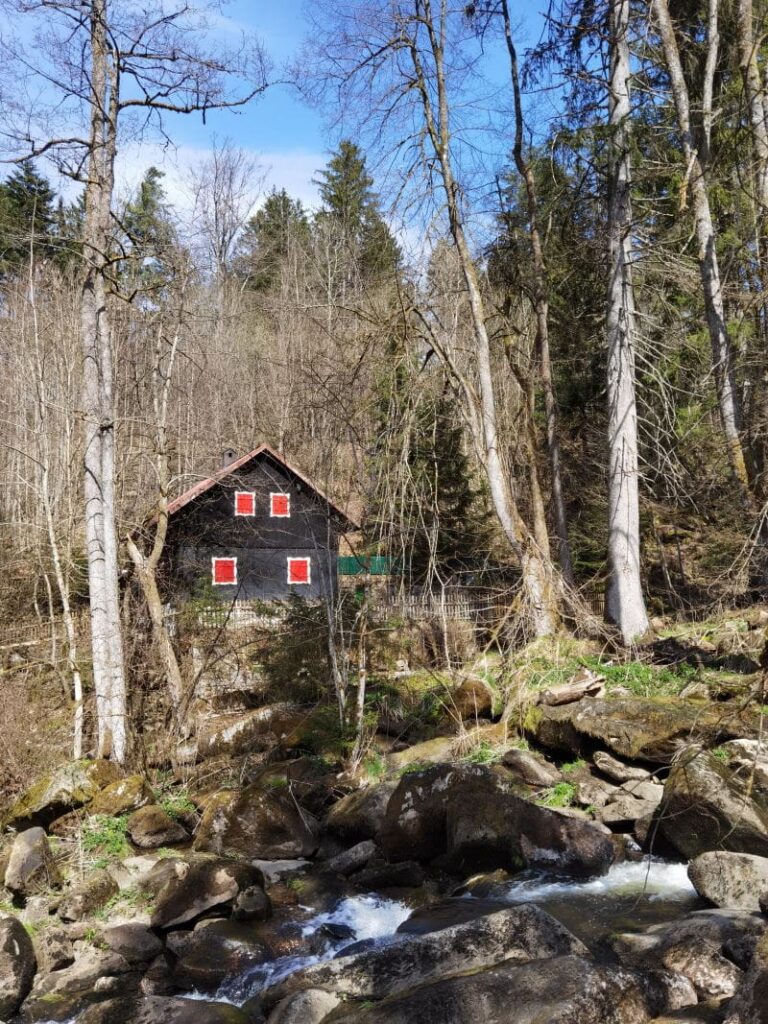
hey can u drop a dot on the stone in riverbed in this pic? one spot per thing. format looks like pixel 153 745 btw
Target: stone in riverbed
pixel 154 1009
pixel 193 887
pixel 353 859
pixel 616 770
pixel 151 827
pixel 470 818
pixel 750 1004
pixel 17 964
pixel 31 865
pixel 96 975
pixel 637 728
pixel 517 934
pixel 216 950
pixel 530 769
pixel 309 1007
pixel 562 990
pixel 730 879
pixel 122 796
pixel 359 815
pixel 70 786
pixel 255 823
pixel 95 890
pixel 706 807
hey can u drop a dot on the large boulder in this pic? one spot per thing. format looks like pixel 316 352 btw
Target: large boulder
pixel 517 933
pixel 250 731
pixel 150 827
pixel 88 896
pixel 562 990
pixel 470 699
pixel 17 964
pixel 750 1004
pixel 530 768
pixel 134 942
pixel 309 1007
pixel 215 950
pixel 95 975
pixel 31 866
pixel 256 824
pixel 636 728
pixel 121 797
pixel 711 948
pixel 70 786
pixel 192 887
pixel 634 800
pixel 359 815
pixel 730 879
pixel 152 1009
pixel 470 817
pixel 706 807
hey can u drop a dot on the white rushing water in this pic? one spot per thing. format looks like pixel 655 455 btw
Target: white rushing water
pixel 366 917
pixel 657 880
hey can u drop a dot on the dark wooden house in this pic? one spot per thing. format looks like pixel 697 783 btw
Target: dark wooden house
pixel 256 529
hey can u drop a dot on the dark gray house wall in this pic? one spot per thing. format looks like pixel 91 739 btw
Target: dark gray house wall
pixel 207 527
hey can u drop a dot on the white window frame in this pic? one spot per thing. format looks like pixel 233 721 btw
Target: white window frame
pixel 247 515
pixel 222 558
pixel 299 558
pixel 279 515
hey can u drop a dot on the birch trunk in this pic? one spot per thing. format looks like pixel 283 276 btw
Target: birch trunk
pixel 98 405
pixel 709 269
pixel 624 604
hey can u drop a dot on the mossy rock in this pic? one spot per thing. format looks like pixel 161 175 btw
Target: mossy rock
pixel 68 787
pixel 121 797
pixel 645 729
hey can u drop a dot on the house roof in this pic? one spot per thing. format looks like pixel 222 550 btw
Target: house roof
pixel 263 449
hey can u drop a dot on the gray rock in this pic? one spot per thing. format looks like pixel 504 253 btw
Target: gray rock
pixel 470 817
pixel 68 787
pixel 17 964
pixel 255 823
pixel 711 948
pixel 353 859
pixel 360 815
pixel 750 1004
pixel 54 949
pixel 192 887
pixel 730 879
pixel 637 800
pixel 31 865
pixel 132 941
pixel 594 793
pixel 122 796
pixel 562 990
pixel 252 904
pixel 95 975
pixel 706 807
pixel 215 950
pixel 309 1007
pixel 151 827
pixel 529 768
pixel 155 1009
pixel 616 770
pixel 88 896
pixel 517 933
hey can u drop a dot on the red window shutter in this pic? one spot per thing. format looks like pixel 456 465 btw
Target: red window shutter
pixel 280 505
pixel 299 570
pixel 224 571
pixel 245 503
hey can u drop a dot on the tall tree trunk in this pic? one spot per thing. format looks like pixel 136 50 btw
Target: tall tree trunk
pixel 722 350
pixel 757 103
pixel 541 308
pixel 625 604
pixel 98 404
pixel 540 582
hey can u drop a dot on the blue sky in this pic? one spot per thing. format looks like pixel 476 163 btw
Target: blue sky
pixel 287 138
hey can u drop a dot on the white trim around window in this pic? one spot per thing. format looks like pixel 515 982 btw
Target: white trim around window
pixel 300 583
pixel 221 583
pixel 246 494
pixel 279 515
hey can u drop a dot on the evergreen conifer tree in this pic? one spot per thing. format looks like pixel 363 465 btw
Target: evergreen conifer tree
pixel 268 236
pixel 26 217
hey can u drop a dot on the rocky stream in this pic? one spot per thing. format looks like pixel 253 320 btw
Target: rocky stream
pixel 453 889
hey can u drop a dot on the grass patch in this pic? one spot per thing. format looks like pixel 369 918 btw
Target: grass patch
pixel 484 753
pixel 374 766
pixel 562 794
pixel 573 766
pixel 106 836
pixel 177 804
pixel 721 754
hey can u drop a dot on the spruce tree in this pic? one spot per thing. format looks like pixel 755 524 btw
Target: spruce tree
pixel 268 237
pixel 348 198
pixel 26 217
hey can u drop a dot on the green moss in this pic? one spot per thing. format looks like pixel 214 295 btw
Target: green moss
pixel 532 719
